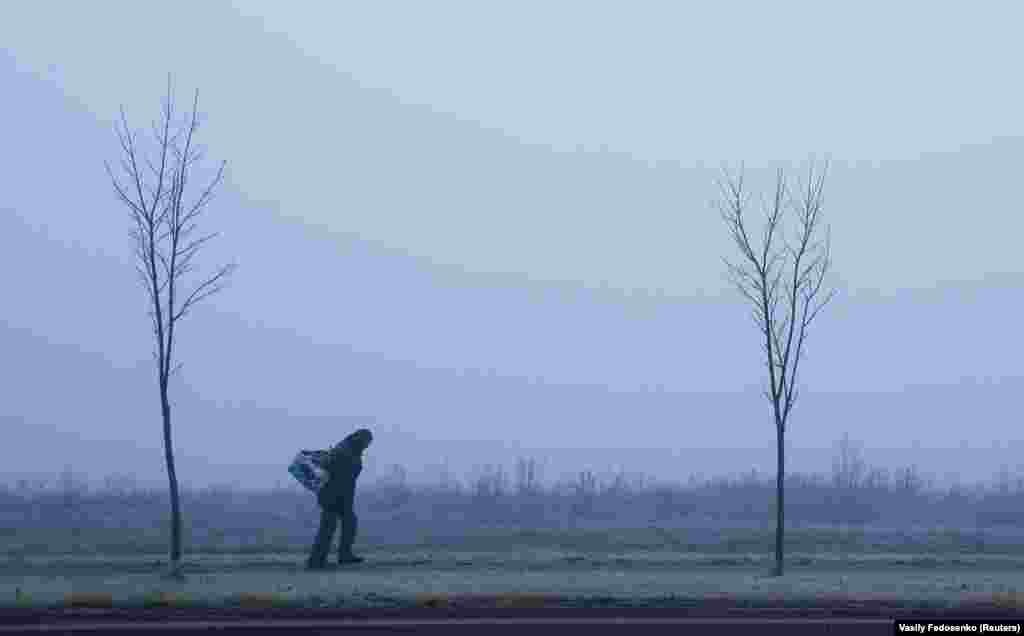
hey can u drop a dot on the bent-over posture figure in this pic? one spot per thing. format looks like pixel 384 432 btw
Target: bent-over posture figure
pixel 336 498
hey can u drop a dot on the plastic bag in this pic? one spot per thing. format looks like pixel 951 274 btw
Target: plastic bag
pixel 307 469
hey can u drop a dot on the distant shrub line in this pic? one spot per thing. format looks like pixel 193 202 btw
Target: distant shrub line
pixel 852 495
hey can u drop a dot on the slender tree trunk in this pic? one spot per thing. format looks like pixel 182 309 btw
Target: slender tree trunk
pixel 780 510
pixel 172 478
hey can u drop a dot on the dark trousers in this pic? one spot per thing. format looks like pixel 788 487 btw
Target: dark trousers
pixel 329 518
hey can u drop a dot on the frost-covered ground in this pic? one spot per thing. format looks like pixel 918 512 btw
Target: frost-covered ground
pixel 416 574
pixel 895 543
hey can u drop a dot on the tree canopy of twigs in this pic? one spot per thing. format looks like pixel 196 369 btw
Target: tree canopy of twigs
pixel 154 186
pixel 781 272
pixel 164 223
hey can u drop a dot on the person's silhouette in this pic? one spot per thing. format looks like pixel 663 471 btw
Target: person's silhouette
pixel 336 498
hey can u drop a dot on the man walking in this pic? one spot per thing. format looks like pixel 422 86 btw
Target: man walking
pixel 343 465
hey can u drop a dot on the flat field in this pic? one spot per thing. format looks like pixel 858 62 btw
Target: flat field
pixel 520 568
pixel 585 544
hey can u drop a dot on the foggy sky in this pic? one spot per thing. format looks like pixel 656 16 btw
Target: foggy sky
pixel 492 232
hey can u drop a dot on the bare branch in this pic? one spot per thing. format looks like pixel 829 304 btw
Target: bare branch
pixel 206 196
pixel 205 289
pixel 185 253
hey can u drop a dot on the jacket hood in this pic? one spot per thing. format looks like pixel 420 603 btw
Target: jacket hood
pixel 358 441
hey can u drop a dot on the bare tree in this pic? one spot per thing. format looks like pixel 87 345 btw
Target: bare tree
pixel 527 477
pixel 153 186
pixel 783 278
pixel 848 468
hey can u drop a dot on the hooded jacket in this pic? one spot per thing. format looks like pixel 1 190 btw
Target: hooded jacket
pixel 343 465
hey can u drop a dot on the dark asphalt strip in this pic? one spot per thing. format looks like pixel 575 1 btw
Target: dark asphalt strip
pixel 467 626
